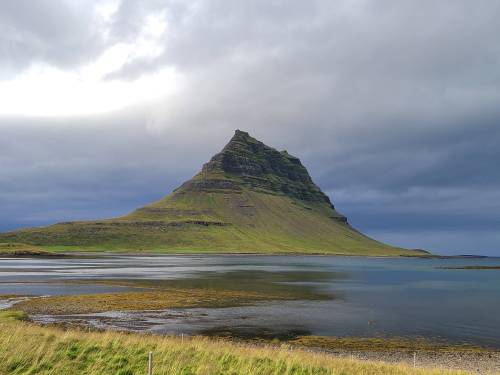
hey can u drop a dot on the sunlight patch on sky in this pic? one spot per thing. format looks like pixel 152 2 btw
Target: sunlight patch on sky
pixel 45 90
pixel 48 91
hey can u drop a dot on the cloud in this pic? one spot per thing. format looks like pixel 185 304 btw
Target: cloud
pixel 63 33
pixel 393 106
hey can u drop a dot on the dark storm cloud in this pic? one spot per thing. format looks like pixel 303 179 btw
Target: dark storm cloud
pixel 392 105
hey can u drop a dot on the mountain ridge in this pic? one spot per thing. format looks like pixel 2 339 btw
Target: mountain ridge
pixel 248 198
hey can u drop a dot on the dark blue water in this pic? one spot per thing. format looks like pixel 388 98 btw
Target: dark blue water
pixel 371 296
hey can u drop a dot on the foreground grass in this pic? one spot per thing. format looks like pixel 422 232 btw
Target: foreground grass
pixel 31 349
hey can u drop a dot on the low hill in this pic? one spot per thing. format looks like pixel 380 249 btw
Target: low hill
pixel 249 198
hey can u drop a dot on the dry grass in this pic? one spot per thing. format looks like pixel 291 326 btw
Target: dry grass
pixel 31 349
pixel 21 249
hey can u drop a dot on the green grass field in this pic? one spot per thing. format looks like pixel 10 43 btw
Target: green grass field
pixel 30 349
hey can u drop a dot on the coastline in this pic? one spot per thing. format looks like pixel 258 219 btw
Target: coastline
pixel 475 362
pixel 99 253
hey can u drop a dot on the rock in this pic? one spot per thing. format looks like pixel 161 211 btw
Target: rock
pixel 247 162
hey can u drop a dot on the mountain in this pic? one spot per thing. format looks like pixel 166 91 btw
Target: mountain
pixel 247 198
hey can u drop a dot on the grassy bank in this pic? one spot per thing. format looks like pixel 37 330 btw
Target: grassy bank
pixel 15 249
pixel 31 349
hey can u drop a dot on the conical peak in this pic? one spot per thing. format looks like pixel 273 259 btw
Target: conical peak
pixel 244 154
pixel 248 162
pixel 245 140
pixel 240 134
pixel 241 138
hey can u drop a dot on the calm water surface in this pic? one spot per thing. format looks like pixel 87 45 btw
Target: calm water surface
pixel 372 296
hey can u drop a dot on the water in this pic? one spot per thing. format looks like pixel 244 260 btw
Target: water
pixel 372 297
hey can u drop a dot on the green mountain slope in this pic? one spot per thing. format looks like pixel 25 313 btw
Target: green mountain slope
pixel 248 198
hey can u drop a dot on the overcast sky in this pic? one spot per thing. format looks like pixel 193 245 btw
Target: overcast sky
pixel 393 106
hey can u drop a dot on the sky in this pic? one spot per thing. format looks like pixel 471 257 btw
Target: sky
pixel 393 106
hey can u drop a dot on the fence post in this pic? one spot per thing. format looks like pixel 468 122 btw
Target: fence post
pixel 150 363
pixel 414 359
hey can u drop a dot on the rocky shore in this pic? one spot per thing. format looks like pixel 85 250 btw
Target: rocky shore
pixel 475 362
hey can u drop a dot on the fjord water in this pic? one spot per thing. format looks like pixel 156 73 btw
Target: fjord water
pixel 371 297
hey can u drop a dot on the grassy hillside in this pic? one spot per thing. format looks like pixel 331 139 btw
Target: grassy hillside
pixel 30 349
pixel 22 249
pixel 213 222
pixel 250 198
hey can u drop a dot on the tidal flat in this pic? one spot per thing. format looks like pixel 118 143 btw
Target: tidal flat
pixel 138 301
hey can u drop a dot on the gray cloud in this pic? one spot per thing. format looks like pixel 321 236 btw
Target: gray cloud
pixel 56 32
pixel 392 105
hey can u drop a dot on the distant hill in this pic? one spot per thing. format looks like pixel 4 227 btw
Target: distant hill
pixel 249 198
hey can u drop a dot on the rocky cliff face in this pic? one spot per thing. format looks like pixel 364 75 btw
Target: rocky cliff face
pixel 247 162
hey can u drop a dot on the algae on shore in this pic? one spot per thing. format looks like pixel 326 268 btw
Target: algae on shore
pixel 207 290
pixel 148 300
pixel 381 344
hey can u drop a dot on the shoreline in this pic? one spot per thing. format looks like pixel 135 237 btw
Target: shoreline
pixel 103 253
pixel 475 362
pixel 454 357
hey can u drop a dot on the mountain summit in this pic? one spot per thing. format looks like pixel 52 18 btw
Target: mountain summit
pixel 248 198
pixel 246 163
pixel 262 168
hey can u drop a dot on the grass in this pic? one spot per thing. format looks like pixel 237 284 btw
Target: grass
pixel 12 315
pixel 30 349
pixel 21 249
pixel 252 222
